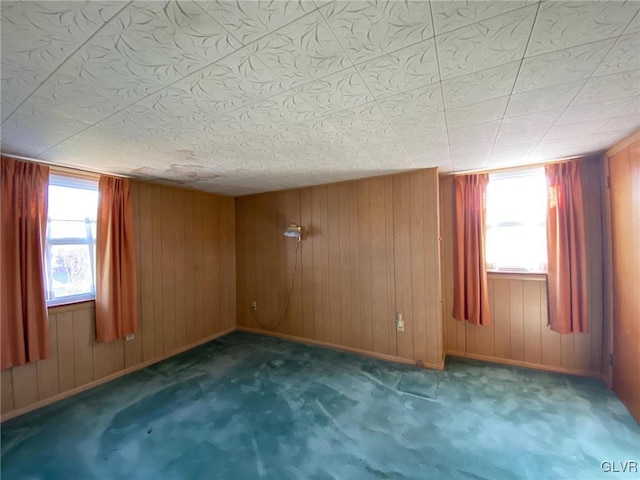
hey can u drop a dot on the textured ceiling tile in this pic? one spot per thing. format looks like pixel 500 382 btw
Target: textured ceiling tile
pixel 547 98
pixel 405 69
pixel 426 126
pixel 509 139
pixel 449 15
pixel 475 160
pixel 434 156
pixel 514 154
pixel 634 26
pixel 318 129
pixel 424 144
pixel 378 136
pixel 302 51
pixel 368 29
pixel 416 103
pixel 236 81
pixel 25 133
pixel 479 145
pixel 336 92
pixel 485 44
pixel 600 110
pixel 624 56
pixel 577 63
pixel 173 38
pixel 609 87
pixel 479 86
pixel 257 117
pixel 474 132
pixel 38 36
pixel 582 143
pixel 364 117
pixel 561 25
pixel 476 113
pixel 621 121
pixel 576 129
pixel 291 107
pixel 248 21
pixel 532 121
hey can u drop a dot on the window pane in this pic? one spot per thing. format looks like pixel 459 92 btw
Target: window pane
pixel 71 271
pixel 70 254
pixel 70 229
pixel 66 203
pixel 516 221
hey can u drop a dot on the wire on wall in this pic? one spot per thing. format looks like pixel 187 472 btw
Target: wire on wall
pixel 286 308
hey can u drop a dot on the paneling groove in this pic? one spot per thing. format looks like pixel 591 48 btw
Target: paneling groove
pixel 180 236
pixel 370 249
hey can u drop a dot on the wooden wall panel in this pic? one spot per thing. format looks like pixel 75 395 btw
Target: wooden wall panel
pixel 7 391
pixel 365 244
pixel 623 256
pixel 133 349
pixel 176 231
pixel 519 333
pixel 180 268
pixel 66 354
pixel 402 262
pixel 48 369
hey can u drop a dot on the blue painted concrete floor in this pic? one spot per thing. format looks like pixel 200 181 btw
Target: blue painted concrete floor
pixel 246 406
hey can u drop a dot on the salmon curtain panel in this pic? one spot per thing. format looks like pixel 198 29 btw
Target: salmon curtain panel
pixel 116 296
pixel 471 290
pixel 566 244
pixel 23 308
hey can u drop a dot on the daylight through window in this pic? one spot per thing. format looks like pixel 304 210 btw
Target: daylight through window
pixel 70 241
pixel 516 221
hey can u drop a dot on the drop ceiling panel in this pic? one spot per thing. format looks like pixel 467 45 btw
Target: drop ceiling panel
pixel 247 96
pixel 485 44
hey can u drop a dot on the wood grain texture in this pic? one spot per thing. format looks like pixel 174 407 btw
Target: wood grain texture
pixel 365 244
pixel 518 332
pixel 624 193
pixel 176 231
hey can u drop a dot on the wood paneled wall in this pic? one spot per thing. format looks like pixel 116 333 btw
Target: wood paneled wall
pixel 519 333
pixel 186 294
pixel 622 296
pixel 370 249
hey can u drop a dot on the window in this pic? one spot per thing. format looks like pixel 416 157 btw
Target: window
pixel 517 221
pixel 70 243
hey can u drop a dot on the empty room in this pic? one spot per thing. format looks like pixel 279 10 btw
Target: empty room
pixel 320 239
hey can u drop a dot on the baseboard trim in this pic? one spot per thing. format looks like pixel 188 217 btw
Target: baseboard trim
pixel 88 386
pixel 532 366
pixel 357 351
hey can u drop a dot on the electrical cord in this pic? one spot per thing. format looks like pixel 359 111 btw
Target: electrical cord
pixel 254 314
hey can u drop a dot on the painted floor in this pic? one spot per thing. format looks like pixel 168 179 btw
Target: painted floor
pixel 246 406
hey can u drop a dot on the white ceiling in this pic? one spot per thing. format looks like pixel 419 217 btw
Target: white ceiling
pixel 248 96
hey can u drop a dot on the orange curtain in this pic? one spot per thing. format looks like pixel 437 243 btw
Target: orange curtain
pixel 470 294
pixel 567 277
pixel 23 308
pixel 116 297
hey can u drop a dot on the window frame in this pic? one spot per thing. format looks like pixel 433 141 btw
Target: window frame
pixel 80 182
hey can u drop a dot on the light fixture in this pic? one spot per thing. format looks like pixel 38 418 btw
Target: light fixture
pixel 293 231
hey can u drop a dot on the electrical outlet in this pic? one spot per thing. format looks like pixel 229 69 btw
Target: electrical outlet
pixel 399 322
pixel 129 337
pixel 254 305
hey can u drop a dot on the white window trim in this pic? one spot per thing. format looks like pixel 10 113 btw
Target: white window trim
pixel 64 179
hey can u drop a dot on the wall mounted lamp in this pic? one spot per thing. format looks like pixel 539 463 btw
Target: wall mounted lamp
pixel 294 231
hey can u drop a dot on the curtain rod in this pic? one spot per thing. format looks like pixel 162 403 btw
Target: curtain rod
pixel 64 168
pixel 523 167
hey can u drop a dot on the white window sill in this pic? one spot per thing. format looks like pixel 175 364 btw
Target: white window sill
pixel 518 275
pixel 59 302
